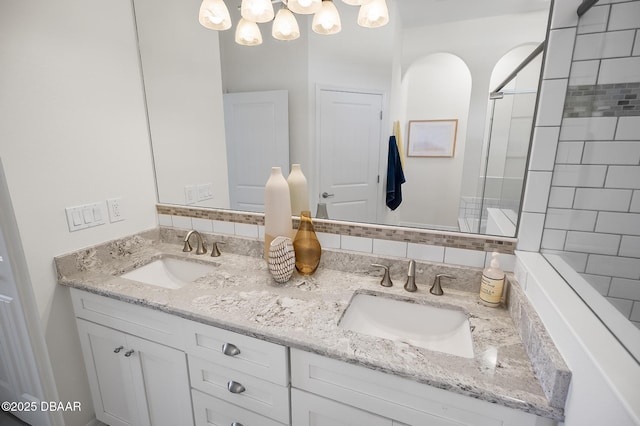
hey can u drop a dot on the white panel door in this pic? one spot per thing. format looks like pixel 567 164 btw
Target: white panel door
pixel 257 136
pixel 19 381
pixel 350 139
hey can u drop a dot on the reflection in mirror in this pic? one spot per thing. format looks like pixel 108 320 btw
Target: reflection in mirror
pixel 494 210
pixel 409 63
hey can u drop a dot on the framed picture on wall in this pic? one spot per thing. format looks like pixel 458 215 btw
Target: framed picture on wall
pixel 432 138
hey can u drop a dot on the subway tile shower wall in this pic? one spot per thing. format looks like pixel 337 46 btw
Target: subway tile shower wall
pixel 593 213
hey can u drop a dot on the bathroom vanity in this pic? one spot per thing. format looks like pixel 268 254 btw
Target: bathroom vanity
pixel 232 347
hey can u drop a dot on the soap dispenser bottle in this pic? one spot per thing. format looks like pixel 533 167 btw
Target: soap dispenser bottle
pixel 492 283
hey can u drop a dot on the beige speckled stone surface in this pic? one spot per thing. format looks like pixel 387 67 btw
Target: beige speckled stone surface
pixel 304 313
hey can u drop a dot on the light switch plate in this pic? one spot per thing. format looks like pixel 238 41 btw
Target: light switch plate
pixel 85 216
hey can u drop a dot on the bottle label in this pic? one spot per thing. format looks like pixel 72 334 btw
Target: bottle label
pixel 491 290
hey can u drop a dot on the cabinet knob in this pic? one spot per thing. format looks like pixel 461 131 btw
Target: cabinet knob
pixel 236 424
pixel 235 387
pixel 230 349
pixel 128 353
pixel 118 349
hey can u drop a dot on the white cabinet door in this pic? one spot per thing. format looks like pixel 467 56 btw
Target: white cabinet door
pixel 161 378
pixel 311 410
pixel 134 381
pixel 109 374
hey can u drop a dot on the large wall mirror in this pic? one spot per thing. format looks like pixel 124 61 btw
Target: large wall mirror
pixel 435 60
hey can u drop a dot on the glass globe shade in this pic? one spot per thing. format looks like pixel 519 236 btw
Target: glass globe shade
pixel 248 33
pixel 285 26
pixel 327 20
pixel 257 10
pixel 214 15
pixel 304 7
pixel 373 14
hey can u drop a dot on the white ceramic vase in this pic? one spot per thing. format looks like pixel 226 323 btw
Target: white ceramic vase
pixel 277 209
pixel 298 190
pixel 282 259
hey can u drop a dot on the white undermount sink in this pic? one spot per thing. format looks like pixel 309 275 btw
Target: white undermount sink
pixel 168 272
pixel 425 326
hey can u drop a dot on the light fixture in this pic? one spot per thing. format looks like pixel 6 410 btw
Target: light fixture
pixel 373 14
pixel 285 27
pixel 257 10
pixel 304 7
pixel 327 20
pixel 248 33
pixel 214 15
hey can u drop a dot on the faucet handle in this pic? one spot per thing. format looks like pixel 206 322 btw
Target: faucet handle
pixel 386 278
pixel 214 248
pixel 436 288
pixel 187 247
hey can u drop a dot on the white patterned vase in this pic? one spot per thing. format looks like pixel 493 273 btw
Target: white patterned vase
pixel 282 259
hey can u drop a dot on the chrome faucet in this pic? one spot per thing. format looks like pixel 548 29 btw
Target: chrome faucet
pixel 410 285
pixel 200 248
pixel 436 288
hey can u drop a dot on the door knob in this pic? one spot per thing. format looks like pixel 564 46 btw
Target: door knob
pixel 327 195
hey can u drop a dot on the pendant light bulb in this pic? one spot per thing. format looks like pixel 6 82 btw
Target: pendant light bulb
pixel 327 20
pixel 248 33
pixel 285 26
pixel 214 15
pixel 373 14
pixel 304 7
pixel 257 10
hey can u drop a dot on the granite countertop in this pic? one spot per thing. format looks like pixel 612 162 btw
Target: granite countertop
pixel 304 313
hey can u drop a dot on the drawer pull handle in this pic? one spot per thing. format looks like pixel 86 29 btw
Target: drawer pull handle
pixel 118 349
pixel 236 424
pixel 128 353
pixel 235 387
pixel 230 349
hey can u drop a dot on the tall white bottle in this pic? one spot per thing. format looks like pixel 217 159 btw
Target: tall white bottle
pixel 298 190
pixel 277 209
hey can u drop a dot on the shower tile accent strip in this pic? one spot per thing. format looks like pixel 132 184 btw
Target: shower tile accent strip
pixel 382 232
pixel 603 100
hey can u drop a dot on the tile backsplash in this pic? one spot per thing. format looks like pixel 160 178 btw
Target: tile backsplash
pixel 592 216
pixel 444 247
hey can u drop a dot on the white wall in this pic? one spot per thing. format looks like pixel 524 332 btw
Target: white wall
pixel 183 87
pixel 437 87
pixel 72 131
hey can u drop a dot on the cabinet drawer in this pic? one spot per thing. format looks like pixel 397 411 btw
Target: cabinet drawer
pixel 252 393
pixel 210 411
pixel 137 320
pixel 398 398
pixel 312 410
pixel 258 358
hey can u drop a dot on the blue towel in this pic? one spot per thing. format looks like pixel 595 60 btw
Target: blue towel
pixel 395 175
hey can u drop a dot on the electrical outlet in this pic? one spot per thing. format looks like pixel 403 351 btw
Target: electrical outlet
pixel 190 194
pixel 114 206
